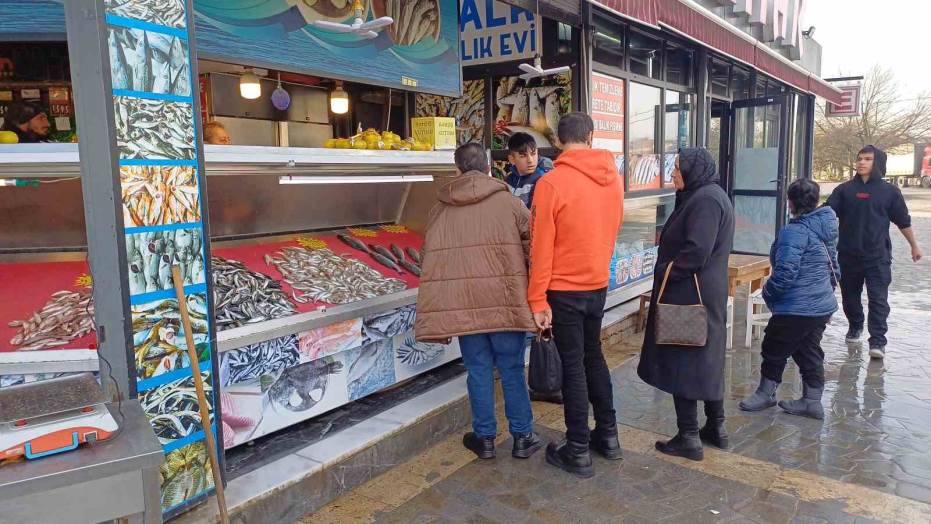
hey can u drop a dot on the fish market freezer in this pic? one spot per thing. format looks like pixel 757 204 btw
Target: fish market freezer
pixel 292 343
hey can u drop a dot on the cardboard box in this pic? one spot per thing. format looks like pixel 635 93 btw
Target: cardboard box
pixel 439 132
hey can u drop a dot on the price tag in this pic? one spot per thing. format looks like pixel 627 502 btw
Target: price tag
pixel 408 81
pixel 63 123
pixel 6 96
pixel 31 94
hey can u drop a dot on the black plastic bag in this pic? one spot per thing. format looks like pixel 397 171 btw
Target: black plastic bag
pixel 545 374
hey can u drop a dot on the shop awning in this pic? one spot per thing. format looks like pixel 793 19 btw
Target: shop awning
pixel 695 22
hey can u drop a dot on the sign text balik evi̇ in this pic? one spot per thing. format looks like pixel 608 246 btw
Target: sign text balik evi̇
pixel 492 31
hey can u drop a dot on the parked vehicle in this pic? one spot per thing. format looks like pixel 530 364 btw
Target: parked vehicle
pixel 914 170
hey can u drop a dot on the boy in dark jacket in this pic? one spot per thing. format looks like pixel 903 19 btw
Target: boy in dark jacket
pixel 865 205
pixel 800 293
pixel 526 167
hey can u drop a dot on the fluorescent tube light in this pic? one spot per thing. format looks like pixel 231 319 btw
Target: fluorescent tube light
pixel 353 179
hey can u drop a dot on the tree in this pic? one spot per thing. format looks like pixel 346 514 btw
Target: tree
pixel 887 121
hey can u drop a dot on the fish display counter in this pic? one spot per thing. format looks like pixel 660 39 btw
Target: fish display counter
pixel 314 268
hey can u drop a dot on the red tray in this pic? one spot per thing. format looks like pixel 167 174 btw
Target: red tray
pixel 253 255
pixel 25 287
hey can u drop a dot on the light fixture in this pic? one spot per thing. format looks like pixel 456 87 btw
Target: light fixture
pixel 353 179
pixel 249 85
pixel 339 99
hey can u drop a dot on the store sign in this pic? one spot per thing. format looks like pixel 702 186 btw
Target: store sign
pixel 850 102
pixel 492 31
pixel 781 20
pixel 608 115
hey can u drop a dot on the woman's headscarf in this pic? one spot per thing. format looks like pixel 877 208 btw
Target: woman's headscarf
pixel 697 167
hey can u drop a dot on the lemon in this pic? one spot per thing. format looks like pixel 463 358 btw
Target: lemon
pixel 343 143
pixel 360 144
pixel 8 137
pixel 330 143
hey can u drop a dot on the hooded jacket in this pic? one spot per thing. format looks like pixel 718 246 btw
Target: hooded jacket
pixel 576 215
pixel 522 185
pixel 865 210
pixel 805 268
pixel 474 276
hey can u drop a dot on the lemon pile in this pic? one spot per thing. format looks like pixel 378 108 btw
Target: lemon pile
pixel 373 140
pixel 8 137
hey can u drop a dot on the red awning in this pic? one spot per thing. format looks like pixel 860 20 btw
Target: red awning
pixel 713 32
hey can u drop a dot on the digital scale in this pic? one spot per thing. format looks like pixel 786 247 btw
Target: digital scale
pixel 53 416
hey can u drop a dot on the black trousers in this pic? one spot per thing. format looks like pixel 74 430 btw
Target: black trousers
pixel 797 337
pixel 687 412
pixel 585 377
pixel 877 278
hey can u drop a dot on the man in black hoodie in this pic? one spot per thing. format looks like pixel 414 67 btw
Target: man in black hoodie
pixel 865 205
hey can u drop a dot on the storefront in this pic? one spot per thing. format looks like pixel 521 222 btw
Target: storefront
pixel 668 74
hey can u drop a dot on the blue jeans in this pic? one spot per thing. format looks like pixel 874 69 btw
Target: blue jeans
pixel 481 354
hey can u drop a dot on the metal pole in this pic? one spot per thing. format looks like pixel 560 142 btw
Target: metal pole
pixel 106 246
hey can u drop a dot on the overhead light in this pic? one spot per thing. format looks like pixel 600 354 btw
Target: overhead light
pixel 249 85
pixel 353 179
pixel 339 99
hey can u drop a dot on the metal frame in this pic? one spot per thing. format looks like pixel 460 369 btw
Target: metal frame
pixel 100 184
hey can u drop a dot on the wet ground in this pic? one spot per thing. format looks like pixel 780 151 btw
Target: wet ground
pixel 868 461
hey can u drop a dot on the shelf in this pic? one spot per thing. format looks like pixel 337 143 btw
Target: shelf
pixel 59 160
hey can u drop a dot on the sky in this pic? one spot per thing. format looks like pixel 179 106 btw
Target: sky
pixel 856 34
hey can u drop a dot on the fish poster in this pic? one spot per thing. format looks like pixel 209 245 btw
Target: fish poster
pixel 468 110
pixel 645 172
pixel 169 13
pixel 185 474
pixel 630 265
pixel 150 256
pixel 330 339
pixel 154 129
pixel 370 368
pixel 159 344
pixel 149 61
pixel 532 107
pixel 268 358
pixel 158 195
pixel 173 411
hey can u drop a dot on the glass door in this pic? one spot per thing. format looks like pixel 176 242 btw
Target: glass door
pixel 718 137
pixel 758 171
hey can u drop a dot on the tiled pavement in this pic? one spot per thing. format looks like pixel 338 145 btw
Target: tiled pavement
pixel 867 461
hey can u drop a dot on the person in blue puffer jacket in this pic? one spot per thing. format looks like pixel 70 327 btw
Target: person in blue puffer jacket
pixel 800 294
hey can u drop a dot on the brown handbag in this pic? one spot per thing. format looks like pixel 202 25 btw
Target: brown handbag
pixel 677 325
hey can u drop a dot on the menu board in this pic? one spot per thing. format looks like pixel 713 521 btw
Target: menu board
pixel 608 114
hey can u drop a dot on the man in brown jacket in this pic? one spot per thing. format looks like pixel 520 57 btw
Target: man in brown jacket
pixel 474 286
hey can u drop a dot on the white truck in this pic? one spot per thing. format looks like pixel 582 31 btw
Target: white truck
pixel 906 170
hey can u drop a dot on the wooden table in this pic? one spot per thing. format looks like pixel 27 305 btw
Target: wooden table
pixel 746 269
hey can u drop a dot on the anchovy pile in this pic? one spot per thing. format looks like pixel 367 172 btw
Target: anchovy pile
pixel 69 315
pixel 162 12
pixel 172 409
pixel 321 275
pixel 244 296
pixel 157 129
pixel 263 358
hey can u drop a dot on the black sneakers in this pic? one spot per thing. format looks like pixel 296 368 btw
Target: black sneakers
pixel 483 447
pixel 854 334
pixel 571 458
pixel 526 445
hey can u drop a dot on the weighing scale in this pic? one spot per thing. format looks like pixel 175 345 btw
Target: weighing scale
pixel 53 416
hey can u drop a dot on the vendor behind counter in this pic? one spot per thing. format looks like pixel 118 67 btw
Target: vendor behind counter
pixel 29 121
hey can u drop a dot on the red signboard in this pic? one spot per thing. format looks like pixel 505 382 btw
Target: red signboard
pixel 850 102
pixel 608 113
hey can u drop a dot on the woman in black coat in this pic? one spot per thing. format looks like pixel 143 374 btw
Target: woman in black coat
pixel 697 240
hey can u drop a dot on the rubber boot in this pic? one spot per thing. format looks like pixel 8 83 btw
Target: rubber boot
pixel 764 397
pixel 685 444
pixel 571 457
pixel 714 432
pixel 807 406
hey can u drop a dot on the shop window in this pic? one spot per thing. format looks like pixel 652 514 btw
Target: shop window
pixel 609 43
pixel 643 124
pixel 760 86
pixel 645 55
pixel 564 39
pixel 636 246
pixel 774 88
pixel 678 130
pixel 741 81
pixel 719 74
pixel 678 65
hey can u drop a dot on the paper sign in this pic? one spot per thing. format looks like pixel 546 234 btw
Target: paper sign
pixel 31 94
pixel 63 123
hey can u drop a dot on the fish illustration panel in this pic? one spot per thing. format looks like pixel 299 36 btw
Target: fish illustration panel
pixel 170 13
pixel 151 254
pixel 533 107
pixel 185 474
pixel 149 61
pixel 268 358
pixel 158 195
pixel 331 339
pixel 172 408
pixel 154 129
pixel 386 325
pixel 159 344
pixel 412 358
pixel 370 368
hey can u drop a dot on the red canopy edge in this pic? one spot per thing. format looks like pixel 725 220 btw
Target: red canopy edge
pixel 697 23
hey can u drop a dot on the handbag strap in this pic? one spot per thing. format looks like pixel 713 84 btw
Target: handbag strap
pixel 662 287
pixel 827 253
